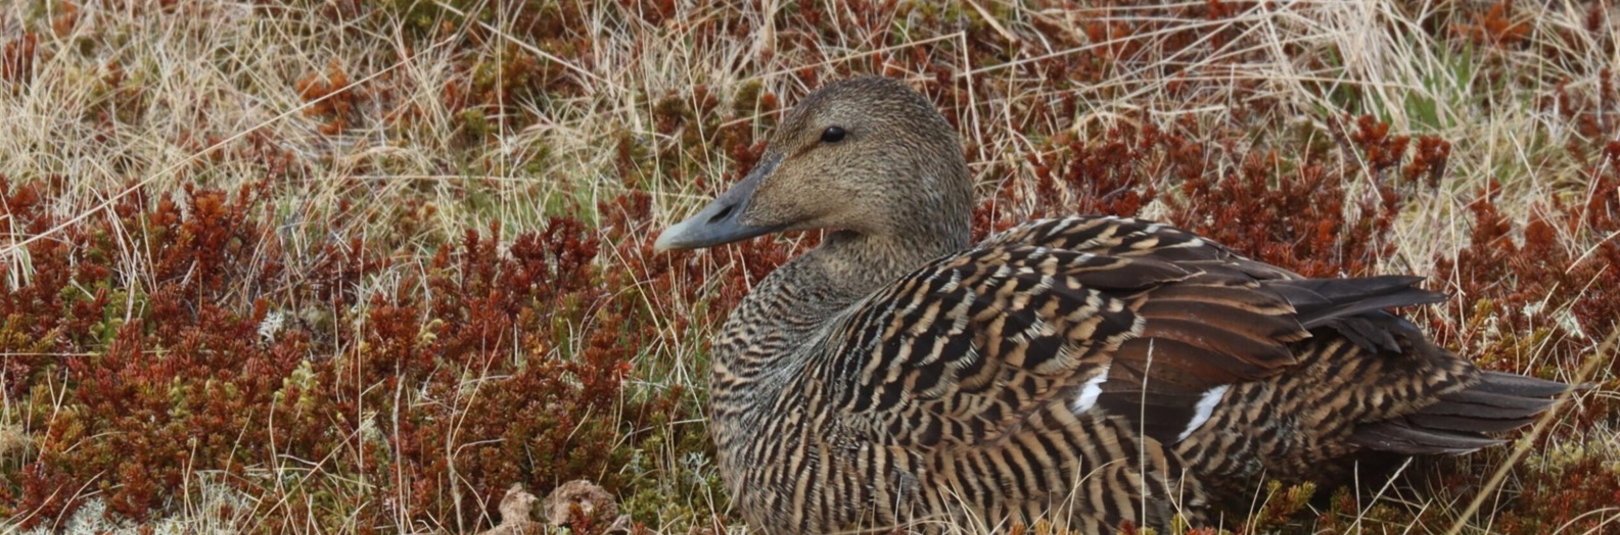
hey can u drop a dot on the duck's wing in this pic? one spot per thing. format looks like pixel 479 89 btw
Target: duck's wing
pixel 1140 320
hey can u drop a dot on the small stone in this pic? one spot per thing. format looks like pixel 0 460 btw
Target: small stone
pixel 595 503
pixel 516 509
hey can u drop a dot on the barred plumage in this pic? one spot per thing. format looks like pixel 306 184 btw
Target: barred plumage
pixel 1086 370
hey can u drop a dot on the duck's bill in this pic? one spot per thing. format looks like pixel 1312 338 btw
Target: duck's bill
pixel 718 223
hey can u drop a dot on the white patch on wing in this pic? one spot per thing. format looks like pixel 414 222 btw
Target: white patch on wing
pixel 1090 391
pixel 1206 407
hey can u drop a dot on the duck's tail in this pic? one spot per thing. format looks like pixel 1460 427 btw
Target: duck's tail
pixel 1459 422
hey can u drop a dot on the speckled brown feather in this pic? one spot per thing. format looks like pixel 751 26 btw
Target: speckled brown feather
pixel 947 395
pixel 1086 370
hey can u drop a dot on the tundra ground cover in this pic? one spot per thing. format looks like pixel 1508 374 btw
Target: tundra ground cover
pixel 353 266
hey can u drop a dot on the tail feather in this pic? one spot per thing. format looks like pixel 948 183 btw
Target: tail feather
pixel 1399 436
pixel 1469 423
pixel 1457 423
pixel 1511 384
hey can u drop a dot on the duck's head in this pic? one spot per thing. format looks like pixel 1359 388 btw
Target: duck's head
pixel 866 158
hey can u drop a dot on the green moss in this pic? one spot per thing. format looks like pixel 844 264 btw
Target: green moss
pixel 475 125
pixel 746 102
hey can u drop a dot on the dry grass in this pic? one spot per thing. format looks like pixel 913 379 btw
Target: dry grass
pixel 396 126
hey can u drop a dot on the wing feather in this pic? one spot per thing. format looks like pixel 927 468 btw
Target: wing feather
pixel 966 349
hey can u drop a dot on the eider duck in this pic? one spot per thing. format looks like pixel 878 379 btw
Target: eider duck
pixel 1086 371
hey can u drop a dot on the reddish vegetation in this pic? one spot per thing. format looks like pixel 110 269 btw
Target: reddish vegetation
pixel 17 59
pixel 1284 210
pixel 171 369
pixel 1496 26
pixel 331 95
pixel 1298 213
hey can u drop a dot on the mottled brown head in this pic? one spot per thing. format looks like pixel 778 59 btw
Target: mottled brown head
pixel 867 156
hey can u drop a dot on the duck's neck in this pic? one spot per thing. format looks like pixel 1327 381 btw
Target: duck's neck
pixel 858 264
pixel 770 332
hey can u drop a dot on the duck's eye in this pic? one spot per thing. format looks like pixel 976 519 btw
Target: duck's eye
pixel 832 134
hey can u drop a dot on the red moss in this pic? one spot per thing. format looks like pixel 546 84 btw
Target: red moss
pixel 1428 162
pixel 17 60
pixel 1563 500
pixel 189 383
pixel 1298 215
pixel 1496 26
pixel 332 95
pixel 1380 151
pixel 1102 177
